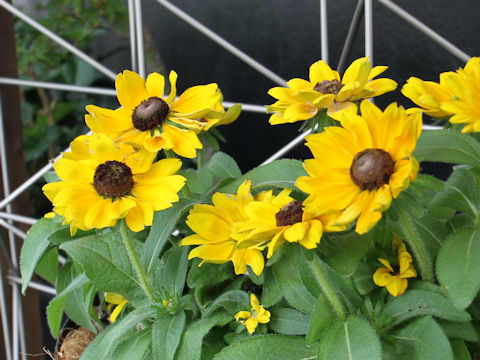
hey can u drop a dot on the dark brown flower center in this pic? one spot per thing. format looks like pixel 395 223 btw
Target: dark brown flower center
pixel 290 214
pixel 150 113
pixel 113 179
pixel 371 169
pixel 329 87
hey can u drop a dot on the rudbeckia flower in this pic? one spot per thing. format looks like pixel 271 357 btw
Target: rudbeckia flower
pixel 396 279
pixel 257 315
pixel 211 224
pixel 149 118
pixel 465 104
pixel 303 99
pixel 358 168
pixel 115 299
pixel 276 219
pixel 112 183
pixel 429 95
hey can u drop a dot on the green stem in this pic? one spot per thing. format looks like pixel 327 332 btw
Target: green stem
pixel 135 260
pixel 414 241
pixel 201 152
pixel 323 281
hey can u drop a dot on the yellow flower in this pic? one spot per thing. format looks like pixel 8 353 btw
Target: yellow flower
pixel 256 315
pixel 276 219
pixel 396 280
pixel 149 118
pixel 112 183
pixel 115 299
pixel 358 168
pixel 429 95
pixel 465 104
pixel 303 99
pixel 211 225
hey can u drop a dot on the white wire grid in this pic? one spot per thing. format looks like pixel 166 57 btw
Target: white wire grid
pixel 14 336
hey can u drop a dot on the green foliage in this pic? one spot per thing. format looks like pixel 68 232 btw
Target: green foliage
pixel 458 270
pixel 166 335
pixel 289 321
pixel 268 347
pixel 352 339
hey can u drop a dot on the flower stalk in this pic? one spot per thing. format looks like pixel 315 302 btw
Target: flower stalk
pixel 135 261
pixel 319 271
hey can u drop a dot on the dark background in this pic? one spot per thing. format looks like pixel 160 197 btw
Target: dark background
pixel 284 35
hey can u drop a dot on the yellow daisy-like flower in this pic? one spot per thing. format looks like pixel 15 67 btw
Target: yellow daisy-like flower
pixel 429 95
pixel 115 299
pixel 358 168
pixel 149 118
pixel 465 104
pixel 211 225
pixel 276 219
pixel 303 99
pixel 111 184
pixel 257 315
pixel 396 279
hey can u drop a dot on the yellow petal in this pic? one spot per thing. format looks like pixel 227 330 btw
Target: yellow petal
pixel 172 77
pixel 299 112
pixel 397 287
pixel 140 216
pixel 114 298
pixel 320 71
pixel 197 98
pixel 130 89
pixel 242 315
pixel 155 85
pixel 382 277
pixel 118 309
pixel 359 71
pixel 251 325
pixel 219 252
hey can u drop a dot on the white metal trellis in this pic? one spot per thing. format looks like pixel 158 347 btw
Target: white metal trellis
pixel 14 338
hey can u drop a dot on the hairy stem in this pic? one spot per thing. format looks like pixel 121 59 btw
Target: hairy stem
pixel 323 281
pixel 135 260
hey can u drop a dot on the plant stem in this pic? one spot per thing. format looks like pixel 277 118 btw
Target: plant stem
pixel 412 238
pixel 323 281
pixel 135 260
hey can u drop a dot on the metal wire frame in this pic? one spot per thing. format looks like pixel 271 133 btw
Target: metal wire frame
pixel 364 8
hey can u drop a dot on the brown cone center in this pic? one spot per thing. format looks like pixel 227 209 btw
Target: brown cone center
pixel 150 113
pixel 113 179
pixel 329 87
pixel 371 169
pixel 290 214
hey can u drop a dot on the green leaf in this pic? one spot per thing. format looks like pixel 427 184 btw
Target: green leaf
pixel 323 317
pixel 420 303
pixel 223 166
pixel 102 346
pixel 291 284
pixel 269 347
pixel 363 278
pixel 78 304
pixel 47 268
pixel 233 301
pixel 461 193
pixel 458 268
pixel 271 293
pixel 192 339
pixel 459 330
pixel 289 322
pixel 423 339
pixel 164 223
pixel 353 339
pixel 208 274
pixel 174 269
pixel 106 263
pixel 134 347
pixel 280 174
pixel 447 146
pixel 460 350
pixel 166 336
pixel 56 306
pixel 344 253
pixel 35 246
